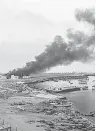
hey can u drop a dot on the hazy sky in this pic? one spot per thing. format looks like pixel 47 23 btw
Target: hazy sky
pixel 27 26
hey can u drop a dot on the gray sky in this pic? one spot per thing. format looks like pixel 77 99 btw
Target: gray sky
pixel 27 26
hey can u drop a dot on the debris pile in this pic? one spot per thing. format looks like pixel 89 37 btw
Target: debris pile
pixel 63 116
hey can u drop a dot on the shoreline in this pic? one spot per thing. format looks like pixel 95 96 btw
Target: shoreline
pixel 39 109
pixel 82 114
pixel 57 116
pixel 77 109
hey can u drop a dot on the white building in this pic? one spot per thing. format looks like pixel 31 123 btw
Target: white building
pixel 25 76
pixel 14 77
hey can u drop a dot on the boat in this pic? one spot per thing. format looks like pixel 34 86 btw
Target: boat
pixel 82 82
pixel 85 88
pixel 65 89
pixel 92 114
pixel 66 105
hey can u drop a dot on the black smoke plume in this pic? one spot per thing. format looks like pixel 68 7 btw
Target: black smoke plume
pixel 80 47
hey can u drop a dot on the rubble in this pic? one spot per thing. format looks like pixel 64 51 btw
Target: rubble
pixel 65 118
pixel 59 110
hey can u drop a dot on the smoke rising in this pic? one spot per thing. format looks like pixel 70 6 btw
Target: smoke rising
pixel 87 15
pixel 80 47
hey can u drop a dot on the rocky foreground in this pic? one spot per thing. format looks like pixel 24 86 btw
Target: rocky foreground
pixel 63 116
pixel 49 112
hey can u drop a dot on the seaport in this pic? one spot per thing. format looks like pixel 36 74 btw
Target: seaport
pixel 47 65
pixel 50 107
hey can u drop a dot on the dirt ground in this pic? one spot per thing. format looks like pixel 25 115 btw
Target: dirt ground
pixel 35 110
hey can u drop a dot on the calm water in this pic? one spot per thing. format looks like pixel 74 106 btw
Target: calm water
pixel 83 100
